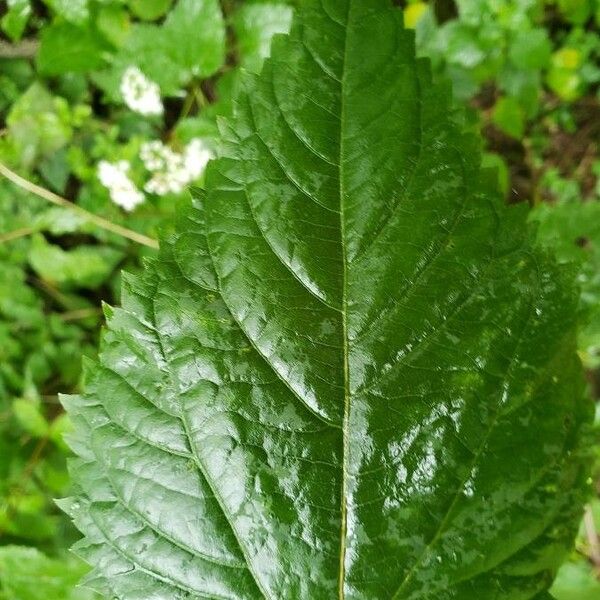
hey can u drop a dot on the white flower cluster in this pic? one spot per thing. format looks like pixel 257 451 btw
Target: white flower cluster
pixel 171 171
pixel 139 93
pixel 123 191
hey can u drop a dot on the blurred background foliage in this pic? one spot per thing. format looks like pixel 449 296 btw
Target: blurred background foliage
pixel 112 107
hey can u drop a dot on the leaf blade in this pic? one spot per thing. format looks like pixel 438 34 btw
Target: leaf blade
pixel 347 337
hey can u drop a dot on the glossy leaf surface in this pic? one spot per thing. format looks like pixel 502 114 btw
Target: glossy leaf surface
pixel 348 375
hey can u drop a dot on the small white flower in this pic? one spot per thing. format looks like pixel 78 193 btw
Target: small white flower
pixel 172 172
pixel 153 155
pixel 140 93
pixel 161 185
pixel 123 192
pixel 196 157
pixel 111 173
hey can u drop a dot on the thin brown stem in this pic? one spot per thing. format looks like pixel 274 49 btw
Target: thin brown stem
pixel 16 234
pixel 63 202
pixel 25 49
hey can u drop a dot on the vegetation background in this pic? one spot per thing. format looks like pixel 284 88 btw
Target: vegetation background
pixel 109 108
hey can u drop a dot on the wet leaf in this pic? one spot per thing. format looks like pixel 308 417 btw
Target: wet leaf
pixel 349 374
pixel 572 230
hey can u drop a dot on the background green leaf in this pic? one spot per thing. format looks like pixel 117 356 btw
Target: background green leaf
pixel 576 582
pixel 531 49
pixel 26 574
pixel 149 10
pixel 509 117
pixel 84 266
pixel 255 25
pixel 75 11
pixel 68 48
pixel 13 23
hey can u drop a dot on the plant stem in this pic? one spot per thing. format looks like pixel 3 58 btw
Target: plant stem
pixel 25 49
pixel 16 234
pixel 63 202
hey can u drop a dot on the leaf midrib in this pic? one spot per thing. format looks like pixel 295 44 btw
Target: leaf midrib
pixel 344 312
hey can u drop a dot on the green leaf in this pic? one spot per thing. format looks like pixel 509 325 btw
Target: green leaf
pixel 149 10
pixel 55 170
pixel 563 77
pixel 491 160
pixel 569 59
pixel 68 48
pixel 576 11
pixel 15 76
pixel 58 429
pixel 15 20
pixel 349 374
pixel 464 46
pixel 524 86
pixel 190 43
pixel 114 23
pixel 531 49
pixel 75 11
pixel 194 36
pixel 30 418
pixel 27 574
pixel 144 48
pixel 83 266
pixel 37 125
pixel 255 25
pixel 565 83
pixel 572 230
pixel 413 13
pixel 18 301
pixel 58 220
pixel 509 117
pixel 576 581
